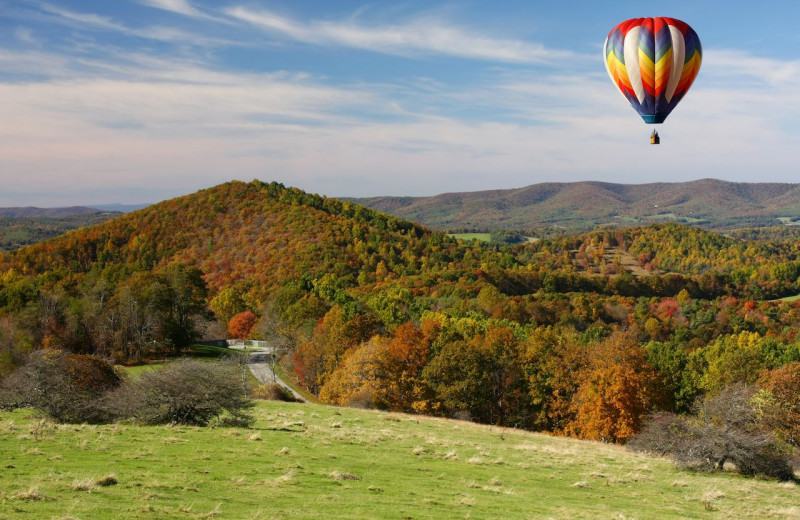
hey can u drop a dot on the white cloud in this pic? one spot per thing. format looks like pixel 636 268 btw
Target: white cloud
pixel 425 35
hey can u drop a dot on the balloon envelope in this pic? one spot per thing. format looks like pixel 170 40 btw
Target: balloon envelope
pixel 653 62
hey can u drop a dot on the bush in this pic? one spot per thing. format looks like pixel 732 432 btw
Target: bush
pixel 67 387
pixel 184 392
pixel 725 428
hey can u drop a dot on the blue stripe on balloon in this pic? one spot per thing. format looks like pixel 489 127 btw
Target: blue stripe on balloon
pixel 663 42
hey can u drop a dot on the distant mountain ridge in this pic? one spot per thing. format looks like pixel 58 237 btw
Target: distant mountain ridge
pixel 35 212
pixel 69 211
pixel 709 203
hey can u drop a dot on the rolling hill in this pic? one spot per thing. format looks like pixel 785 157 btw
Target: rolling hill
pixel 254 235
pixel 709 203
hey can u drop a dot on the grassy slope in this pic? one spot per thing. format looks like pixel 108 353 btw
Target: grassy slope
pixel 310 461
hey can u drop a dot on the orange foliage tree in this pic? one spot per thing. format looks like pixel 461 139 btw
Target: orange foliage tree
pixel 402 386
pixel 242 324
pixel 617 388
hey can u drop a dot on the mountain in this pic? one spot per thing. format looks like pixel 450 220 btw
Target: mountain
pixel 122 208
pixel 709 203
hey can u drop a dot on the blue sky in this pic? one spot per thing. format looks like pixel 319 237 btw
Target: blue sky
pixel 141 100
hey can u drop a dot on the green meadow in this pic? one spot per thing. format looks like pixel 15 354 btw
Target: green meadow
pixel 304 461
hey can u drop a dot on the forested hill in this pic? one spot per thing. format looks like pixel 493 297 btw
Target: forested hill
pixel 709 203
pixel 245 234
pixel 375 311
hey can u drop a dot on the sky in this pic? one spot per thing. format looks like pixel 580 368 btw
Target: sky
pixel 137 101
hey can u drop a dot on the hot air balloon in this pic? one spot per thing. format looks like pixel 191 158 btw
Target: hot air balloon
pixel 653 62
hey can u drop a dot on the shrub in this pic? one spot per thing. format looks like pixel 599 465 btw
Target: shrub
pixel 67 387
pixel 725 428
pixel 184 392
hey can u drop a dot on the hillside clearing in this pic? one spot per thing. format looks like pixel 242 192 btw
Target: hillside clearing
pixel 310 461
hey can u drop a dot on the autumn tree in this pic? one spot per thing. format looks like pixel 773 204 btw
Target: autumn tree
pixel 779 401
pixel 617 388
pixel 551 359
pixel 356 378
pixel 227 303
pixel 240 325
pixel 401 385
pixel 727 361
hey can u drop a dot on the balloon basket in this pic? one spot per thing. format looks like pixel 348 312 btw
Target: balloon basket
pixel 654 138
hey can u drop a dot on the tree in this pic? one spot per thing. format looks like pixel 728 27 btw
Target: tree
pixel 187 303
pixel 400 385
pixel 241 325
pixel 779 401
pixel 136 315
pixel 355 379
pixel 731 360
pixel 480 377
pixel 227 303
pixel 617 388
pixel 552 359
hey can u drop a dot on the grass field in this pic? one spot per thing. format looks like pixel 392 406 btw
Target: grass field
pixel 309 461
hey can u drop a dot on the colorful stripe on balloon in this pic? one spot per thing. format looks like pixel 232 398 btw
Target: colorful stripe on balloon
pixel 653 62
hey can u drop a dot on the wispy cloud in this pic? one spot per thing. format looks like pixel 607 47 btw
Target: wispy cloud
pixel 181 7
pixel 157 33
pixel 176 6
pixel 728 64
pixel 25 35
pixel 423 35
pixel 126 114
